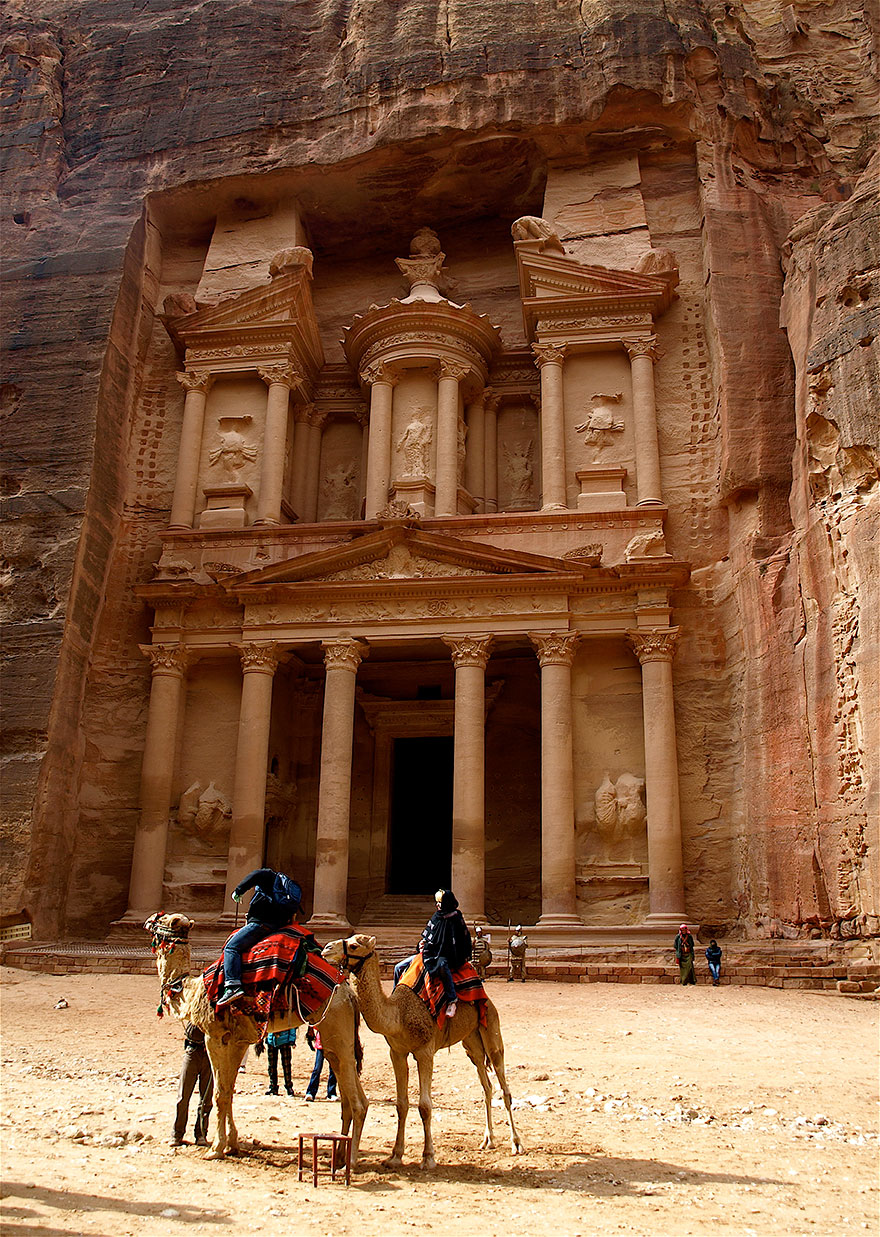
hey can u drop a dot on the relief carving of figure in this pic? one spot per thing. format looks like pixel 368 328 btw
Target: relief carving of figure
pixel 462 448
pixel 534 228
pixel 414 443
pixel 520 472
pixel 339 493
pixel 206 813
pixel 621 814
pixel 232 451
pixel 601 421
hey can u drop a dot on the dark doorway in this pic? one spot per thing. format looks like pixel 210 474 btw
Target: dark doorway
pixel 421 816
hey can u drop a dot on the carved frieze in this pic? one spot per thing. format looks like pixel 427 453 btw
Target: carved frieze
pixel 401 564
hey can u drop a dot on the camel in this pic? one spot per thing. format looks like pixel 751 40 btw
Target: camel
pixel 229 1034
pixel 405 1021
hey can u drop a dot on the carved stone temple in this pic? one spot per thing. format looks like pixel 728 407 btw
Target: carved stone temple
pixel 431 464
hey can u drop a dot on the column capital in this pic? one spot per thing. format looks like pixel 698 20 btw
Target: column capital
pixel 260 657
pixel 555 648
pixel 380 372
pixel 454 369
pixel 196 380
pixel 345 654
pixel 491 399
pixel 657 645
pixel 303 412
pixel 469 650
pixel 167 658
pixel 549 354
pixel 316 416
pixel 643 347
pixel 281 375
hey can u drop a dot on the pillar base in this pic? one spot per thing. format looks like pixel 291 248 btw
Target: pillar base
pixel 560 921
pixel 554 507
pixel 337 924
pixel 671 920
pixel 650 502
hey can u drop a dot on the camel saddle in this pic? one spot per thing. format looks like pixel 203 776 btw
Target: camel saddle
pixel 468 987
pixel 282 972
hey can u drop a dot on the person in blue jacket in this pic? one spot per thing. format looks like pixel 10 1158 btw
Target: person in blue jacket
pixel 713 957
pixel 276 902
pixel 446 944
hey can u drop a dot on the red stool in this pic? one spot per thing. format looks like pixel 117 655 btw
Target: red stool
pixel 340 1155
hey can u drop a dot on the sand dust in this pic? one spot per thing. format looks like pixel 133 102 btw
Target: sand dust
pixel 643 1109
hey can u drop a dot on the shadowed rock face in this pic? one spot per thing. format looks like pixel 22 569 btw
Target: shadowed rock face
pixel 129 134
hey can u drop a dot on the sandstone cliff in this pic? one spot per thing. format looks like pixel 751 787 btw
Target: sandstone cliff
pixel 756 120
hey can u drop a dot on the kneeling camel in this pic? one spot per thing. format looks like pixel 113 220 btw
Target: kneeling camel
pixel 229 1034
pixel 405 1021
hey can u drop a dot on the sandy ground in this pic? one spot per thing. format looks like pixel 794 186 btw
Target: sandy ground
pixel 649 1110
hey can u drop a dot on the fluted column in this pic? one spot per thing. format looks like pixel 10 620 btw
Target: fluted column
pixel 655 650
pixel 313 463
pixel 157 771
pixel 470 655
pixel 550 358
pixel 642 355
pixel 247 834
pixel 279 380
pixel 341 659
pixel 301 421
pixel 490 449
pixel 381 382
pixel 183 504
pixel 558 889
pixel 446 473
pixel 475 468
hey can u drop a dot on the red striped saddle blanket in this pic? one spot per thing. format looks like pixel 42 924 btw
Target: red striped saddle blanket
pixel 468 987
pixel 283 971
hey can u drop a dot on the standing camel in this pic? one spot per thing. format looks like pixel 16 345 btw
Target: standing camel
pixel 405 1021
pixel 229 1034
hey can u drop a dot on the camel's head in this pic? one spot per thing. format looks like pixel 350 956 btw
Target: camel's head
pixel 346 954
pixel 168 931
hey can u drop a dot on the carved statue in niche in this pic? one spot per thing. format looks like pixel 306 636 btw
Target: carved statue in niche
pixel 232 451
pixel 414 444
pixel 206 813
pixel 601 423
pixel 520 473
pixel 338 492
pixel 621 815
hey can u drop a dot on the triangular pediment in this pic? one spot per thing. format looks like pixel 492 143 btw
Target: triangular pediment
pixel 402 554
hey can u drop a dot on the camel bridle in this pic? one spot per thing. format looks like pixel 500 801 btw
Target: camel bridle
pixel 354 963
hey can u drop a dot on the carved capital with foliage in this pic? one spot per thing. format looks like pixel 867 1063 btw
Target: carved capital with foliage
pixel 280 375
pixel 262 658
pixel 196 380
pixel 170 659
pixel 469 650
pixel 643 347
pixel 556 648
pixel 658 645
pixel 549 354
pixel 344 654
pixel 379 372
pixel 452 369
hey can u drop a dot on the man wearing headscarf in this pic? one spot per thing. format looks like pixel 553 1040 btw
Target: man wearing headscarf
pixel 446 944
pixel 684 952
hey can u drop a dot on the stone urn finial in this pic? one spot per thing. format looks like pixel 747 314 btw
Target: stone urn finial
pixel 423 269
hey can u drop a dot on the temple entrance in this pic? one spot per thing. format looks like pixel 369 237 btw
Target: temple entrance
pixel 420 851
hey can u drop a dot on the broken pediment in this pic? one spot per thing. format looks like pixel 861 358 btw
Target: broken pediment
pixel 254 327
pixel 400 553
pixel 557 289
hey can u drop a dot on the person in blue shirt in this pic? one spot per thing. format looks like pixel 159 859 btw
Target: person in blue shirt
pixel 713 957
pixel 276 902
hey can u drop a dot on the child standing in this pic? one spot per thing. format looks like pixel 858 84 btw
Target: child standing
pixel 280 1043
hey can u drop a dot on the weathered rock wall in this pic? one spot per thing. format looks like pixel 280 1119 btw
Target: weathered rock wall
pixel 771 103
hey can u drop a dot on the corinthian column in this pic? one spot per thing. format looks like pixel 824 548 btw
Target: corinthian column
pixel 247 834
pixel 341 659
pixel 381 382
pixel 550 358
pixel 558 889
pixel 279 380
pixel 475 469
pixel 470 655
pixel 183 504
pixel 157 771
pixel 446 476
pixel 642 355
pixel 298 487
pixel 490 449
pixel 655 650
pixel 313 465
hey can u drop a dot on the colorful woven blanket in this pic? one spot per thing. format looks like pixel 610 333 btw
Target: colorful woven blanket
pixel 283 971
pixel 468 987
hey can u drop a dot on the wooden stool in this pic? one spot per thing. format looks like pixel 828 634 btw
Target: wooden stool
pixel 340 1150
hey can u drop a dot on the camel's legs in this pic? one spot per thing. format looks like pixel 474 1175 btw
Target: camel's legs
pixel 494 1045
pixel 225 1060
pixel 473 1046
pixel 354 1099
pixel 401 1078
pixel 425 1063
